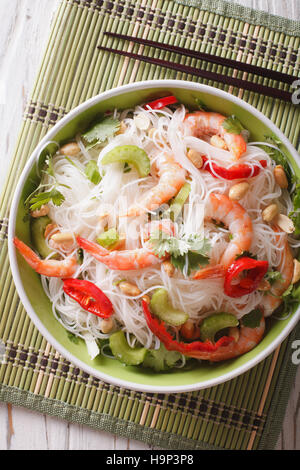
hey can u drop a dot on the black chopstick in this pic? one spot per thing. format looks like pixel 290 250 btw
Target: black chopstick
pixel 266 73
pixel 205 74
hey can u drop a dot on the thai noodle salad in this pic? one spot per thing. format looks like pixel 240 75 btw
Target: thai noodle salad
pixel 164 234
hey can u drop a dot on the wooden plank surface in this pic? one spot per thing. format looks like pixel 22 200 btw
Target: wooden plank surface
pixel 24 32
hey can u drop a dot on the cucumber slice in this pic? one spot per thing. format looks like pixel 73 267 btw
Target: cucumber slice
pixel 216 322
pixel 123 352
pixel 38 227
pixel 109 238
pixel 178 202
pixel 130 154
pixel 161 307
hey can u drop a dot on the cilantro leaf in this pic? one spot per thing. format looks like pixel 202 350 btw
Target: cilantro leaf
pixel 39 200
pixel 273 276
pixel 161 359
pixel 295 214
pixel 192 260
pixel 252 319
pixel 101 131
pixel 278 156
pixel 72 337
pixel 163 244
pixel 92 173
pixel 187 253
pixel 233 125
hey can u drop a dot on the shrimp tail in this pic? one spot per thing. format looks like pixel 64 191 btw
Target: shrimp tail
pixel 93 248
pixel 125 260
pixel 248 339
pixel 50 268
pixel 210 272
pixel 28 254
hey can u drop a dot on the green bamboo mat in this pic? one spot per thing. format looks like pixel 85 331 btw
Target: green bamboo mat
pixel 246 412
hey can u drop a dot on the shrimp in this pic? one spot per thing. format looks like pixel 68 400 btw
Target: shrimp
pixel 171 179
pixel 127 260
pixel 273 299
pixel 233 215
pixel 202 123
pixel 50 268
pixel 248 339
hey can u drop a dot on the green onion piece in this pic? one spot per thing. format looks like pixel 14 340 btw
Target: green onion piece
pixel 178 202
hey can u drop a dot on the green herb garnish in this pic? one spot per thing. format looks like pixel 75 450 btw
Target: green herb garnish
pixel 233 125
pixel 252 319
pixel 92 173
pixel 100 132
pixel 161 359
pixel 73 338
pixel 273 276
pixel 187 253
pixel 39 200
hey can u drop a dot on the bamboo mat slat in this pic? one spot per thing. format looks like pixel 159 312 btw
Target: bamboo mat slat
pixel 244 413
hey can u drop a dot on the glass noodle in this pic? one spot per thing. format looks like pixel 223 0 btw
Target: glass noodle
pixel 89 209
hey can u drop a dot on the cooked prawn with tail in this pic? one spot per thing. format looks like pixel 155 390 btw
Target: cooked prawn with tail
pixel 201 123
pixel 48 267
pixel 219 207
pixel 127 260
pixel 248 339
pixel 171 179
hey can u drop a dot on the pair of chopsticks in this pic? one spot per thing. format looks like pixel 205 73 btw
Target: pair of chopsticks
pixel 241 83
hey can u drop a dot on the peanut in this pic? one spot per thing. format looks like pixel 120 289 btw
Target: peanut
pixel 296 275
pixel 107 324
pixel 70 150
pixel 235 333
pixel 189 330
pixel 218 142
pixel 122 129
pixel 169 268
pixel 142 121
pixel 238 191
pixel 129 289
pixel 50 228
pixel 285 223
pixel 44 210
pixel 280 177
pixel 195 158
pixel 63 237
pixel 270 212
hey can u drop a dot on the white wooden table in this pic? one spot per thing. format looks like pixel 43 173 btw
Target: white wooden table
pixel 23 34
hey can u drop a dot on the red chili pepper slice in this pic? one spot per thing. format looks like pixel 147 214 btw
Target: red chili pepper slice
pixel 162 102
pixel 235 172
pixel 159 329
pixel 253 271
pixel 89 297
